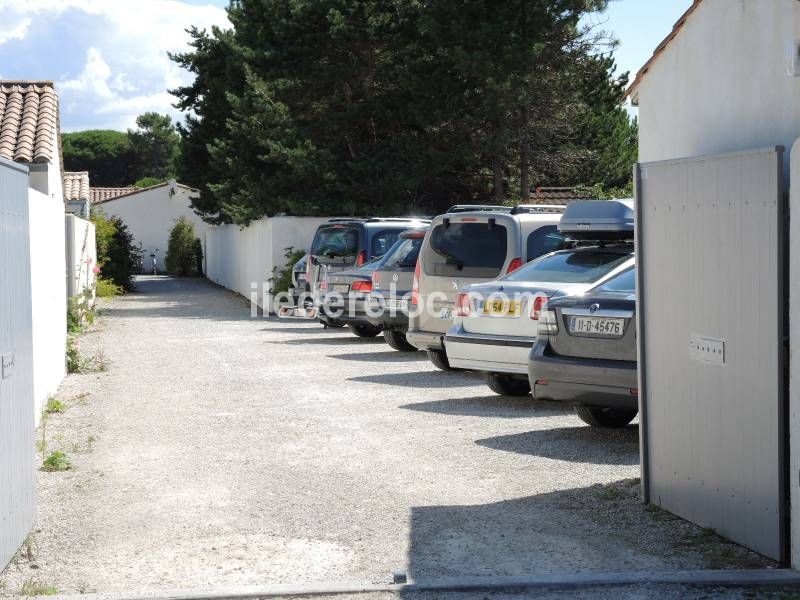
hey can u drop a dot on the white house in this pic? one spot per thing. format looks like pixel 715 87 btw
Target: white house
pixel 150 214
pixel 727 78
pixel 29 129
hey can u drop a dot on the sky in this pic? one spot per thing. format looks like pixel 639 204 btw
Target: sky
pixel 108 58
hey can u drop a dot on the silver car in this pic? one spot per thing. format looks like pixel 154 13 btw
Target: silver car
pixel 585 353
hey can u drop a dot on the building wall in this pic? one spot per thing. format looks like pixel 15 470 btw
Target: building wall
pixel 150 215
pixel 721 85
pixel 17 470
pixel 81 255
pixel 244 259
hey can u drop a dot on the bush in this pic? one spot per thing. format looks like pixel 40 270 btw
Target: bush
pixel 182 258
pixel 117 255
pixel 57 461
pixel 283 277
pixel 105 288
pixel 147 182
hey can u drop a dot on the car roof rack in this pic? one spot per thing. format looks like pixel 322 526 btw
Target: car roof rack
pixel 599 220
pixel 345 220
pixel 522 209
pixel 459 208
pixel 395 219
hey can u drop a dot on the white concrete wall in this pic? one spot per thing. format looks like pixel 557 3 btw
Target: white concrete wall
pixel 49 294
pixel 150 215
pixel 721 85
pixel 239 258
pixel 81 255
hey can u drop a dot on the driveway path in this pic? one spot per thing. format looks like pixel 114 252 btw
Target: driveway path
pixel 222 450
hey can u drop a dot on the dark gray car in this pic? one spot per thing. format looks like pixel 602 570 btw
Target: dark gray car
pixel 343 299
pixel 585 353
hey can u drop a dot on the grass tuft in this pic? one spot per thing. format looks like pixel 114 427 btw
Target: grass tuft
pixel 37 587
pixel 57 461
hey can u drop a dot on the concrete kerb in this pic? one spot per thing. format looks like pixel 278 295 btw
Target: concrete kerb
pixel 730 578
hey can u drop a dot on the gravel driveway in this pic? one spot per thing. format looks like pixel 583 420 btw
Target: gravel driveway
pixel 222 450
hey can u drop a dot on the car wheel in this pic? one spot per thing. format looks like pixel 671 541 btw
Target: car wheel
pixel 439 360
pixel 507 386
pixel 365 331
pixel 397 340
pixel 608 418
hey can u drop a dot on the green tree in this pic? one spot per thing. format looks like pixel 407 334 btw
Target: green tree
pixel 182 257
pixel 155 146
pixel 118 256
pixel 105 154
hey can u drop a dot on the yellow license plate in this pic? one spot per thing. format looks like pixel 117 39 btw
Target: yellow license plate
pixel 505 308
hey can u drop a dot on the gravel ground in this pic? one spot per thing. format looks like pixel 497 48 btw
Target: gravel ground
pixel 221 450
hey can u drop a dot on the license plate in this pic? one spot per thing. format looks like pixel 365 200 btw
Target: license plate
pixel 597 326
pixel 502 308
pixel 397 304
pixel 341 288
pixel 446 314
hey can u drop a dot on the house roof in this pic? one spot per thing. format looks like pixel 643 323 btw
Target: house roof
pixel 555 195
pixel 76 185
pixel 28 121
pixel 100 195
pixel 660 48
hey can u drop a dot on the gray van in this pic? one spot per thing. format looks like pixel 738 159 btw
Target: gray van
pixel 473 246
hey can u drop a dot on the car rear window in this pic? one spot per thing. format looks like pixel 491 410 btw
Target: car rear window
pixel 544 240
pixel 382 241
pixel 577 266
pixel 337 242
pixel 467 250
pixel 624 283
pixel 403 255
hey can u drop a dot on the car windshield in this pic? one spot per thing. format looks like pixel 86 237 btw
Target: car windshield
pixel 576 266
pixel 334 242
pixel 624 283
pixel 403 254
pixel 467 249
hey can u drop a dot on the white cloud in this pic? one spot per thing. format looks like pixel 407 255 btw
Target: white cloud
pixel 127 69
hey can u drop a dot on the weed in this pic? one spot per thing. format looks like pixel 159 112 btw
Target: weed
pixel 78 363
pixel 29 548
pixel 57 461
pixel 36 587
pixel 41 444
pixel 54 405
pixel 83 588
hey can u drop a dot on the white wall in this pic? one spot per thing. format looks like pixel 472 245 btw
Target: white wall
pixel 237 258
pixel 81 255
pixel 49 294
pixel 151 214
pixel 721 84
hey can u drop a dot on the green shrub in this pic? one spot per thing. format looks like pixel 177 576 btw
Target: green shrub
pixel 117 255
pixel 105 288
pixel 282 280
pixel 54 405
pixel 57 461
pixel 147 182
pixel 181 258
pixel 80 312
pixel 36 587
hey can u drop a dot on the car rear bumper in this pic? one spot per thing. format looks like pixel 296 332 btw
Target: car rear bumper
pixel 425 340
pixel 479 352
pixel 386 321
pixel 593 382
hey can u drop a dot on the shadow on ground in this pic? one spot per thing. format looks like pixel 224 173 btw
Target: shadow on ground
pixel 492 406
pixel 581 444
pixel 338 340
pixel 394 356
pixel 422 379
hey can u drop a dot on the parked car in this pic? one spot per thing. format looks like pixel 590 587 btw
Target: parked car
pixel 585 353
pixel 475 246
pixel 390 296
pixel 343 298
pixel 495 323
pixel 299 282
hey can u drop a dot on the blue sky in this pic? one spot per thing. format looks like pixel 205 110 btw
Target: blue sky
pixel 109 57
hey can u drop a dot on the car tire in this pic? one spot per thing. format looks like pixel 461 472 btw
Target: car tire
pixel 397 340
pixel 439 360
pixel 507 386
pixel 364 331
pixel 607 418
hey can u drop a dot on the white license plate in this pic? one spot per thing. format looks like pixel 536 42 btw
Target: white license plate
pixel 446 314
pixel 597 326
pixel 341 288
pixel 396 304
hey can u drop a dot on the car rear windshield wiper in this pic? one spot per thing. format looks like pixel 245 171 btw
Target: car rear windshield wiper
pixel 449 257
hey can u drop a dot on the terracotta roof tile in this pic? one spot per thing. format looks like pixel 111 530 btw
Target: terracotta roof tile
pixel 76 186
pixel 28 121
pixel 563 195
pixel 101 194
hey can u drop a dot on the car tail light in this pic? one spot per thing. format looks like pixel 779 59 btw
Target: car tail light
pixel 415 286
pixel 362 258
pixel 323 285
pixel 514 265
pixel 309 266
pixel 634 391
pixel 547 323
pixel 542 382
pixel 376 279
pixel 538 304
pixel 361 286
pixel 463 305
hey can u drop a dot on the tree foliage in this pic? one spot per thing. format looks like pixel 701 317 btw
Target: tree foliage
pixel 184 251
pixel 155 145
pixel 397 106
pixel 118 256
